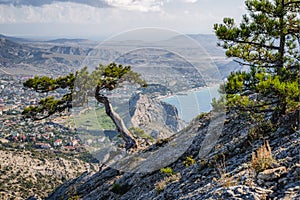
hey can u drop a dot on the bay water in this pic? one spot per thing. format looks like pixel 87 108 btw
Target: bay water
pixel 192 103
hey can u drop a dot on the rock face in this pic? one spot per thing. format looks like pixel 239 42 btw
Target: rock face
pixel 70 50
pixel 225 173
pixel 157 118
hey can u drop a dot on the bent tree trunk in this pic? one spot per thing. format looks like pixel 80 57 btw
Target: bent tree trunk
pixel 117 120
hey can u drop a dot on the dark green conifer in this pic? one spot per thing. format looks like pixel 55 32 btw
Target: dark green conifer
pixel 80 86
pixel 267 40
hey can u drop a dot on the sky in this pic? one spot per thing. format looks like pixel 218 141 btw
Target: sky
pixel 105 18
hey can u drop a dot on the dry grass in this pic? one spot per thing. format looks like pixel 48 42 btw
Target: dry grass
pixel 225 179
pixel 262 159
pixel 160 186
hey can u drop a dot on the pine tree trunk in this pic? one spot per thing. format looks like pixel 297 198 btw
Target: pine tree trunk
pixel 117 120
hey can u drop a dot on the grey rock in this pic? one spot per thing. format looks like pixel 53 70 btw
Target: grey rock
pixel 156 118
pixel 271 174
pixel 203 180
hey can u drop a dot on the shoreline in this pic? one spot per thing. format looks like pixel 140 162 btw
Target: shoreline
pixel 188 91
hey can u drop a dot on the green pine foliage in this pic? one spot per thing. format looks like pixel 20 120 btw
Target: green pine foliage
pixel 79 87
pixel 267 40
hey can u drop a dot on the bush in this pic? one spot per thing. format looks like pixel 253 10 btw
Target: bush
pixel 120 189
pixel 260 130
pixel 168 171
pixel 140 133
pixel 189 161
pixel 200 116
pixel 76 197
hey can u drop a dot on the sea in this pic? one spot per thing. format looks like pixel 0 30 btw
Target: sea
pixel 192 103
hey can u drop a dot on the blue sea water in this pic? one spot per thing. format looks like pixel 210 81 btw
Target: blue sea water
pixel 191 104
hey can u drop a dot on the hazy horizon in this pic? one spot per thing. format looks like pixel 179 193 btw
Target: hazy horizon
pixel 93 38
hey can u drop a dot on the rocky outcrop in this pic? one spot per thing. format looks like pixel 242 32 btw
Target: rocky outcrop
pixel 224 173
pixel 70 50
pixel 157 118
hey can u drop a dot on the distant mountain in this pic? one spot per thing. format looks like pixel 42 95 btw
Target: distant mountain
pixel 12 52
pixel 60 56
pixel 37 58
pixel 65 40
pixel 207 42
pixel 15 39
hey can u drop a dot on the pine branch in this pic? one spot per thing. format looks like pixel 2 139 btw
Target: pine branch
pixel 257 44
pixel 291 2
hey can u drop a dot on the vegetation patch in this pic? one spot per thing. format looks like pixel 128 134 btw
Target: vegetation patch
pixel 120 189
pixel 189 161
pixel 140 133
pixel 160 186
pixel 167 171
pixel 226 180
pixel 262 159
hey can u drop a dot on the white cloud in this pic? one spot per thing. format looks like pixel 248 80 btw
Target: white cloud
pixel 138 5
pixel 51 13
pixel 69 18
pixel 190 1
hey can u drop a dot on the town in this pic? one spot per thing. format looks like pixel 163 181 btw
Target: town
pixel 19 132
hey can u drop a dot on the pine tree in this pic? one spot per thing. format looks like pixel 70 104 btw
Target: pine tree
pixel 80 86
pixel 267 40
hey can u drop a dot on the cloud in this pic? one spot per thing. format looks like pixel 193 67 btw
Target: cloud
pixel 139 5
pixel 131 5
pixel 71 17
pixel 51 13
pixel 39 3
pixel 190 1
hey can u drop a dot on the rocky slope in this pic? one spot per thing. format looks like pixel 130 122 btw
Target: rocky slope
pixel 225 172
pixel 25 173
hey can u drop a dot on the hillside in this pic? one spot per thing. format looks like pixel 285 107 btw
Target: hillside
pixel 24 57
pixel 60 56
pixel 32 173
pixel 228 171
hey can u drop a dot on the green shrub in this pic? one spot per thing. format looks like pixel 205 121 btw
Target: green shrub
pixel 140 133
pixel 76 197
pixel 260 130
pixel 168 171
pixel 219 105
pixel 200 116
pixel 189 161
pixel 120 189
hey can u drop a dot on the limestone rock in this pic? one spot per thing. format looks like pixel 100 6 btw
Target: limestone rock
pixel 157 118
pixel 224 173
pixel 271 174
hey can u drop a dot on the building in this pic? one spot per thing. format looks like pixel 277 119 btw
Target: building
pixel 57 142
pixel 74 143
